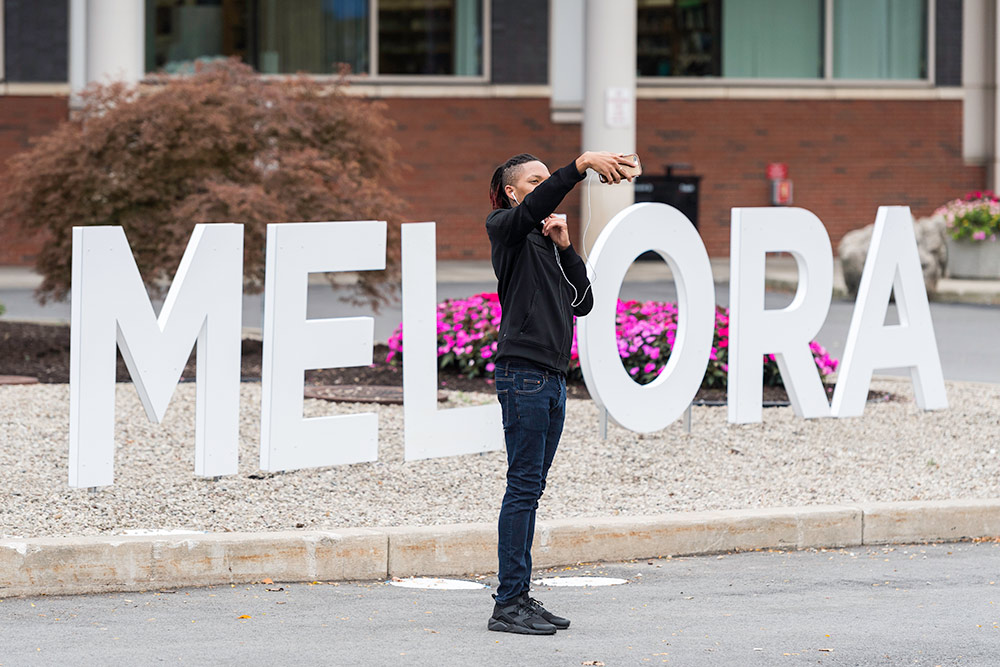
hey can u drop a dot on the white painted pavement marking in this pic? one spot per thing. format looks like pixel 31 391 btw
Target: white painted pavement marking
pixel 580 581
pixel 143 532
pixel 435 583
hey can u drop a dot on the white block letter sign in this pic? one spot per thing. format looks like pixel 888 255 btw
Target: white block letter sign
pixel 294 344
pixel 109 303
pixel 891 267
pixel 430 432
pixel 786 332
pixel 633 231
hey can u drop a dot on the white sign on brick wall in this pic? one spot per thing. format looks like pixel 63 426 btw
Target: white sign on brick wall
pixel 619 106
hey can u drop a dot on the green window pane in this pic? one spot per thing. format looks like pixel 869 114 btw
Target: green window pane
pixel 880 39
pixel 772 39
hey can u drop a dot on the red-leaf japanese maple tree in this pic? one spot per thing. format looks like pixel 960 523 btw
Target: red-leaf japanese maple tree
pixel 221 145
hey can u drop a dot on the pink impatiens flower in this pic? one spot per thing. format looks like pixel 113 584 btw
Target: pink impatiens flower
pixel 646 332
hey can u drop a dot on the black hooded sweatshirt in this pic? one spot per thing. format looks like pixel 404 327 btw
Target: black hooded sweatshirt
pixel 536 301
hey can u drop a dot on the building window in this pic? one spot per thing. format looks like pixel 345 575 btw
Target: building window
pixel 678 38
pixel 772 39
pixel 430 37
pixel 316 36
pixel 880 39
pixel 783 39
pixel 369 37
pixel 180 31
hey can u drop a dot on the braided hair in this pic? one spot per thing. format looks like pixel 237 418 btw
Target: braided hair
pixel 503 176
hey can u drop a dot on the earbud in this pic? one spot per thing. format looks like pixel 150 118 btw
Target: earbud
pixel 514 197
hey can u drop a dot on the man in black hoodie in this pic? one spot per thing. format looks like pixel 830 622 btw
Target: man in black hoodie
pixel 542 284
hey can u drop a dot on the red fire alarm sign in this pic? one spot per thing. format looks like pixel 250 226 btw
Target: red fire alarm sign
pixel 777 171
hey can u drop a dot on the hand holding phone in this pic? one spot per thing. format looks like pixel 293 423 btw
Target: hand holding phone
pixel 629 167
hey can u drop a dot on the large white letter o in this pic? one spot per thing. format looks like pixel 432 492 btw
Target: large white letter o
pixel 668 232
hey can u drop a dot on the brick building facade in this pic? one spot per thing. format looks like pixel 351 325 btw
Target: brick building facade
pixel 848 148
pixel 845 157
pixel 23 117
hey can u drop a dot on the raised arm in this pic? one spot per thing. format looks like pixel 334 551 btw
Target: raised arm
pixel 510 226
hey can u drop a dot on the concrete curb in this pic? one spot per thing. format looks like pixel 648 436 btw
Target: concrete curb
pixel 966 297
pixel 73 565
pixel 975 297
pixel 945 520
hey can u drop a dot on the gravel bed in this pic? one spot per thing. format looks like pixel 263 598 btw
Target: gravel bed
pixel 893 452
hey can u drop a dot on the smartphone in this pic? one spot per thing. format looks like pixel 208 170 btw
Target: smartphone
pixel 629 171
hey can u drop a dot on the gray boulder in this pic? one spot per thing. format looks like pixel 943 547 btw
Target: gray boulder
pixel 931 233
pixel 852 251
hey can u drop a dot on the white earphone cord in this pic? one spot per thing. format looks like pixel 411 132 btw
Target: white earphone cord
pixel 577 299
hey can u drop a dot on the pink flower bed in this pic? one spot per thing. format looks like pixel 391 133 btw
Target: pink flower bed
pixel 468 330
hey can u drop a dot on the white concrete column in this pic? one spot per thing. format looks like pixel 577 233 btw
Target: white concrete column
pixel 566 54
pixel 77 45
pixel 979 108
pixel 608 102
pixel 107 42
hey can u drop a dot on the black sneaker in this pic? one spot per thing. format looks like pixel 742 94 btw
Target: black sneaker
pixel 516 616
pixel 558 621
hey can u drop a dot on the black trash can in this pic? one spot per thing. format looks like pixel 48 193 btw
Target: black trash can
pixel 677 190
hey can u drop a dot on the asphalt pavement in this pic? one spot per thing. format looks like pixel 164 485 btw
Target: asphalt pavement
pixel 902 605
pixel 931 604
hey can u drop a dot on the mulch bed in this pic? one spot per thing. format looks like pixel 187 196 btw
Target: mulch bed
pixel 42 351
pixel 361 393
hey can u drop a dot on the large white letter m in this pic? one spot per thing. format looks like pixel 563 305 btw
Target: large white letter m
pixel 110 303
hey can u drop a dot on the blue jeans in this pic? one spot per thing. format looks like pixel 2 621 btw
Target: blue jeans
pixel 534 407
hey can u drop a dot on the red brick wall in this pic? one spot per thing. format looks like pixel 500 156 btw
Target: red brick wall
pixel 452 146
pixel 21 119
pixel 845 158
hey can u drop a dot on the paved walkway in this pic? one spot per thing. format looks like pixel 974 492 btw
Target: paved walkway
pixel 898 605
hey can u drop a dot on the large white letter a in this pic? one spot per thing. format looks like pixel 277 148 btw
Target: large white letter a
pixel 892 267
